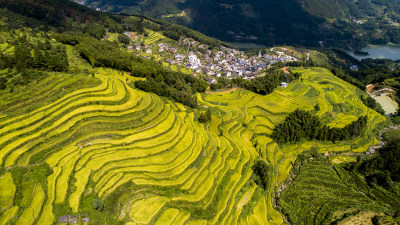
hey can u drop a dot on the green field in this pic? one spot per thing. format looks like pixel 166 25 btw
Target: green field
pixel 7 191
pixel 153 37
pixel 153 159
pixel 326 194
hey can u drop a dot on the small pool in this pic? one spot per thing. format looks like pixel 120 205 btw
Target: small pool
pixel 387 104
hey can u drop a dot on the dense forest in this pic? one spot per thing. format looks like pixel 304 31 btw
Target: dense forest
pixel 55 12
pixel 303 125
pixel 385 167
pixel 376 75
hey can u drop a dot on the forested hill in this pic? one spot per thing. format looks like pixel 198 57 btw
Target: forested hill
pixel 306 22
pixel 68 16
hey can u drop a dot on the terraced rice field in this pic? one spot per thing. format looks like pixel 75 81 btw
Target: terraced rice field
pixel 153 37
pixel 154 159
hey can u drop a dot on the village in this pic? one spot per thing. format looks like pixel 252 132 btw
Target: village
pixel 200 59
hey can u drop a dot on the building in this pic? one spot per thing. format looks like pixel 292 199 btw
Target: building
pixel 137 47
pixel 354 67
pixel 171 49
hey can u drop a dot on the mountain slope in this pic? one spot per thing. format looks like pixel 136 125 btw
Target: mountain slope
pixel 276 22
pixel 81 143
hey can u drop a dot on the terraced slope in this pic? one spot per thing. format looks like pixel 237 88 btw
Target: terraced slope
pixel 149 159
pixel 153 37
pixel 317 196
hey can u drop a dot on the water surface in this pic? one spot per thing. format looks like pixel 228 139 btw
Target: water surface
pixel 389 51
pixel 387 103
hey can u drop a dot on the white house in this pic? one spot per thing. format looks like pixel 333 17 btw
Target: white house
pixel 354 67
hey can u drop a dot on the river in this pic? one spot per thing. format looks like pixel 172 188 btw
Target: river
pixel 389 51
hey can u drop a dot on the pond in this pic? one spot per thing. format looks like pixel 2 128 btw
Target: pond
pixel 387 104
pixel 389 51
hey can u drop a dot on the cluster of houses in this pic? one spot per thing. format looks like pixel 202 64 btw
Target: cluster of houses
pixel 138 47
pixel 225 62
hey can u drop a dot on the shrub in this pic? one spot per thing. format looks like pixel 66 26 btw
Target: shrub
pixel 40 172
pixel 261 173
pixel 98 204
pixel 124 39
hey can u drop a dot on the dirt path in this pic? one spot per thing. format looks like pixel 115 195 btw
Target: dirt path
pixel 370 87
pixel 145 128
pixel 285 69
pixel 213 93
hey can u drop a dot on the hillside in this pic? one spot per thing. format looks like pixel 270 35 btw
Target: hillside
pixel 272 22
pixel 96 128
pixel 148 160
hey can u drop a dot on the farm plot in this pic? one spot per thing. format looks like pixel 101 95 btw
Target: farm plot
pixel 113 142
pixel 317 195
pixel 153 37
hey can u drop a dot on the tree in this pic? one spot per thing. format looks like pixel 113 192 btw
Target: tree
pixel 23 57
pixel 317 107
pixel 202 118
pixel 95 30
pixel 208 114
pixel 40 172
pixel 261 173
pixel 302 124
pixel 47 45
pixel 138 27
pixel 124 39
pixel 38 58
pixel 98 204
pixel 205 116
pixel 3 83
